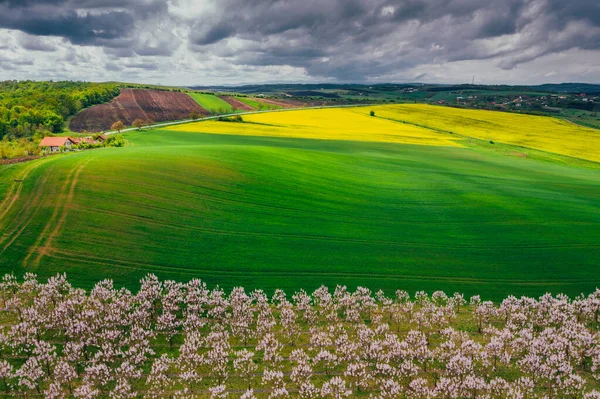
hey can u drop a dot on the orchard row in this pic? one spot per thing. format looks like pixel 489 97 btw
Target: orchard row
pixel 184 340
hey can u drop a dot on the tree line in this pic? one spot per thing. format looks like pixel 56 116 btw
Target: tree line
pixel 29 108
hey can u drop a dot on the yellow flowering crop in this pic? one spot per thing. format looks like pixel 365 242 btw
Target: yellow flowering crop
pixel 538 132
pixel 325 124
pixel 416 124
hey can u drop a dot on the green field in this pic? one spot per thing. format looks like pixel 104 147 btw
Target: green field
pixel 258 104
pixel 212 103
pixel 265 212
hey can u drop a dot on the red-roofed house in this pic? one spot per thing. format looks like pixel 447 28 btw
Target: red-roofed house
pixel 53 144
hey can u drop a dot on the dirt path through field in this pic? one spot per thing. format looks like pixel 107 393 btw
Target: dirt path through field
pixel 15 190
pixel 59 214
pixel 25 216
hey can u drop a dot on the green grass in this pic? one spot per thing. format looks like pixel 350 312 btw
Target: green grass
pixel 584 118
pixel 211 102
pixel 257 104
pixel 297 213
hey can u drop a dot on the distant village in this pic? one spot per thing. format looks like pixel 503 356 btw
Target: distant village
pixel 552 103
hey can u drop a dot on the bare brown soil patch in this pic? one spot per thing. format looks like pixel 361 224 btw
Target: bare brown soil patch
pixel 131 104
pixel 237 104
pixel 18 160
pixel 283 103
pixel 275 102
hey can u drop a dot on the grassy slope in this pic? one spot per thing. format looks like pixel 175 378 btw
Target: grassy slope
pixel 291 213
pixel 584 118
pixel 211 102
pixel 258 104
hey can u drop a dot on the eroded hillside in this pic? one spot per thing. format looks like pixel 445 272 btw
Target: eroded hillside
pixel 131 104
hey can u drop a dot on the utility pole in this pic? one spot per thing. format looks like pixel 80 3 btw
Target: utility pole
pixel 473 82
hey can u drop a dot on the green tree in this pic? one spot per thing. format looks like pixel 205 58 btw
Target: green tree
pixel 3 129
pixel 115 140
pixel 53 122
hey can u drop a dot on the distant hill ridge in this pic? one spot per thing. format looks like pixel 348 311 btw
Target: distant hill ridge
pixel 549 87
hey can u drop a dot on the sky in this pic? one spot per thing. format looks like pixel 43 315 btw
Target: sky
pixel 229 42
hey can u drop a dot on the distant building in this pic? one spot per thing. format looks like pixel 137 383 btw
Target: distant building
pixel 54 144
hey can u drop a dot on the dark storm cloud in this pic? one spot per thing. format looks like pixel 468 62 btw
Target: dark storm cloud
pixel 34 43
pixel 360 39
pixel 213 35
pixel 342 39
pixel 82 22
pixel 576 9
pixel 79 29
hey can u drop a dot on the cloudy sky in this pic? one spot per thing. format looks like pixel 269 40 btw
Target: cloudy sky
pixel 186 42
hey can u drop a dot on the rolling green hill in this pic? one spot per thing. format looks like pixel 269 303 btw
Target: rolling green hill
pixel 290 213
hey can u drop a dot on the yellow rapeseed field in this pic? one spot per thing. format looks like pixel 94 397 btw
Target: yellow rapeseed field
pixel 538 132
pixel 325 124
pixel 416 124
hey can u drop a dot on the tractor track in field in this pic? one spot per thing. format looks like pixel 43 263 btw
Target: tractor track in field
pixel 34 202
pixel 22 209
pixel 15 190
pixel 26 212
pixel 131 265
pixel 63 216
pixel 50 221
pixel 59 215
